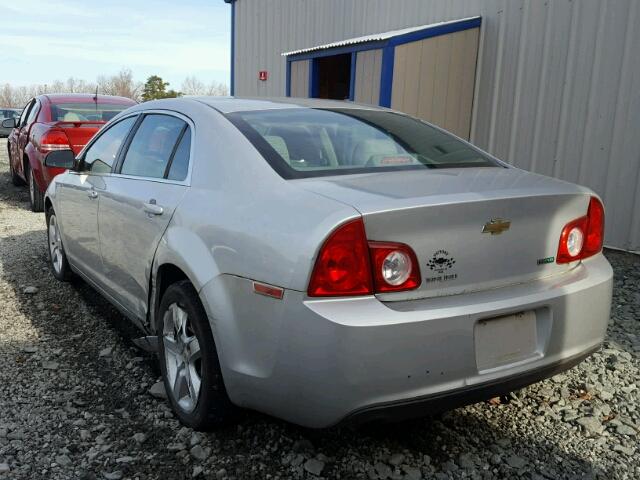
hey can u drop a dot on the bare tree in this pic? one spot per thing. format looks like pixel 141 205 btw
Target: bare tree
pixel 57 86
pixel 21 95
pixel 125 86
pixel 218 89
pixel 122 84
pixel 6 95
pixel 193 86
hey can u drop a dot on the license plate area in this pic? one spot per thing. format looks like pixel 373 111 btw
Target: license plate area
pixel 506 340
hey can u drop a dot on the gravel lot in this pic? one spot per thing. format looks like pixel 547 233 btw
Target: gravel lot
pixel 75 401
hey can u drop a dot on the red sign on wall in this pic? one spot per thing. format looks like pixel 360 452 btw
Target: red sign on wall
pixel 263 75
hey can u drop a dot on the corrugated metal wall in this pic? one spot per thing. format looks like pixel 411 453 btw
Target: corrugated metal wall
pixel 434 79
pixel 368 69
pixel 557 90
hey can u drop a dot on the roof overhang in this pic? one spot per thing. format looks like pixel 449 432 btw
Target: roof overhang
pixel 396 37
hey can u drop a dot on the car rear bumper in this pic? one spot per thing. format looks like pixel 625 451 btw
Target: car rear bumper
pixel 317 362
pixel 416 407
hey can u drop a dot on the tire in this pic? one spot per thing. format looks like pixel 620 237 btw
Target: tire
pixel 57 256
pixel 183 327
pixel 36 197
pixel 15 178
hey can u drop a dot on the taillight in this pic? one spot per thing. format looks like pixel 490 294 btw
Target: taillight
pixel 595 230
pixel 395 267
pixel 344 265
pixel 583 237
pixel 54 140
pixel 572 234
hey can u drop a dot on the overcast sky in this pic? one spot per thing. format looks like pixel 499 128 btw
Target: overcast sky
pixel 42 41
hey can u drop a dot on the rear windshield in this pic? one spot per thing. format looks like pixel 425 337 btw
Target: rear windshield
pixel 86 112
pixel 303 142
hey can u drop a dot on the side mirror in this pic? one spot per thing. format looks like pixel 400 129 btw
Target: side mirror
pixel 9 123
pixel 60 159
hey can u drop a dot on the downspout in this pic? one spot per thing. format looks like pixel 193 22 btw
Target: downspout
pixel 232 86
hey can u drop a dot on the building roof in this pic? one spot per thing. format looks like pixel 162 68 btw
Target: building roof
pixel 378 37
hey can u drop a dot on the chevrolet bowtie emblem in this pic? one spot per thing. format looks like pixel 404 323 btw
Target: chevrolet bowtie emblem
pixel 496 226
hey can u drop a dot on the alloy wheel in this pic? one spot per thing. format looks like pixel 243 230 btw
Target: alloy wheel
pixel 182 358
pixel 55 244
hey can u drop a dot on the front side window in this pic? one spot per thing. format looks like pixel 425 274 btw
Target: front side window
pixel 153 146
pixel 305 142
pixel 95 111
pixel 101 155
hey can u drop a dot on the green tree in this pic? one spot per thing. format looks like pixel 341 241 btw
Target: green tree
pixel 156 88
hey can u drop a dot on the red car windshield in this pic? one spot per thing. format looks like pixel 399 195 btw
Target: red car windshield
pixel 85 112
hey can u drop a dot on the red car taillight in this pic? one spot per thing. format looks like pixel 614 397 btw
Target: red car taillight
pixel 395 267
pixel 344 265
pixel 54 140
pixel 583 237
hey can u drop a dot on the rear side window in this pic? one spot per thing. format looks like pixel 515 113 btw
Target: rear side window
pixel 180 163
pixel 153 146
pixel 100 156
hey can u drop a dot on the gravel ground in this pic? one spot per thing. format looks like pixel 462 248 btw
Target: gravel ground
pixel 75 401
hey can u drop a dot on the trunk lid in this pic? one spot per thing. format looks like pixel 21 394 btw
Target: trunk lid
pixel 441 214
pixel 78 133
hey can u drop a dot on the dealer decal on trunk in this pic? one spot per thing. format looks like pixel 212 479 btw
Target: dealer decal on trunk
pixel 543 261
pixel 441 262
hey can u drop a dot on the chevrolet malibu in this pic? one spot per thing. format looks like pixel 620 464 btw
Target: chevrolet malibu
pixel 325 261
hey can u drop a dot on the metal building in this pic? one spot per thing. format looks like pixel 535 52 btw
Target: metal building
pixel 550 86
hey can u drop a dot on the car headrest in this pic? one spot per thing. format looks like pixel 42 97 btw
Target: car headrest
pixel 279 145
pixel 71 117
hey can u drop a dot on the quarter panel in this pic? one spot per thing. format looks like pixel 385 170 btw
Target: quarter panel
pixel 247 327
pixel 252 222
pixel 271 236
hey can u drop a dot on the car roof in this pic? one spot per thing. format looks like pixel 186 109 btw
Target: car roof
pixel 85 97
pixel 244 104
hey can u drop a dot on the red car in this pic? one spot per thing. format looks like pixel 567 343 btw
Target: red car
pixel 54 122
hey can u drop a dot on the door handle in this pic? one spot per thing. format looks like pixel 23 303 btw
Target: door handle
pixel 92 194
pixel 152 209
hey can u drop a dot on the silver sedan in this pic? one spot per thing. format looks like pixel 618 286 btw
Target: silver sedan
pixel 324 261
